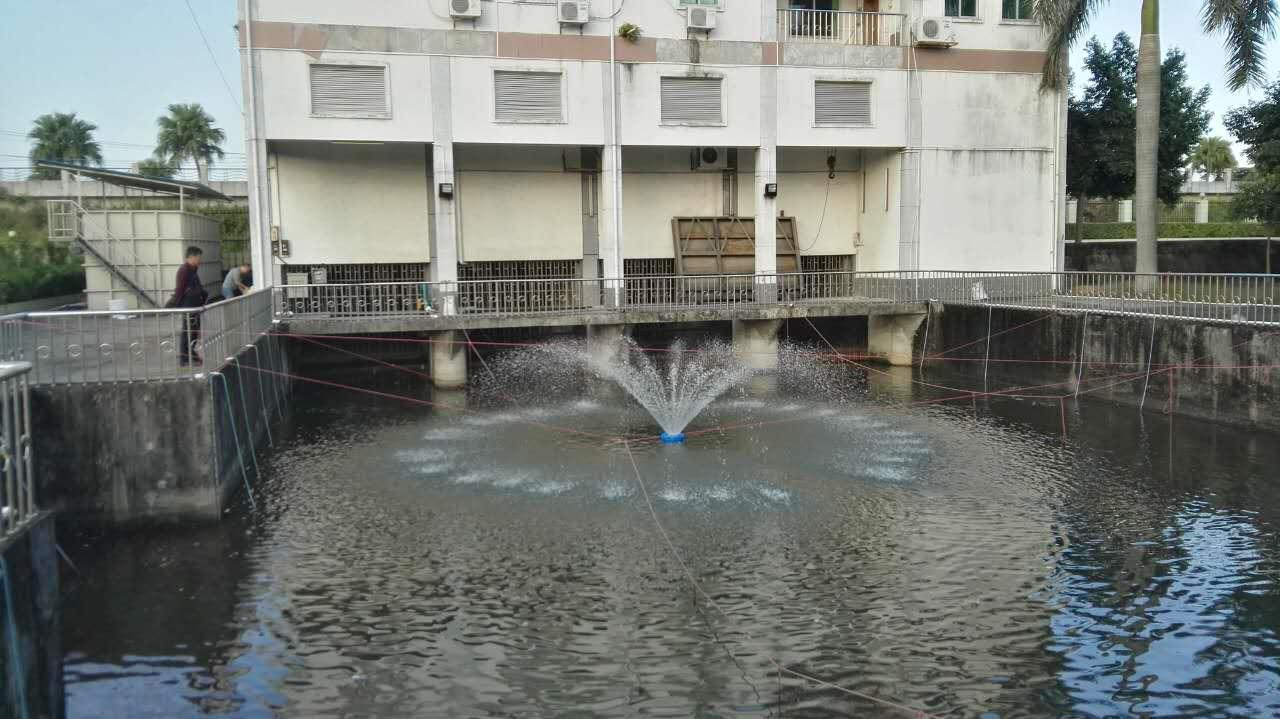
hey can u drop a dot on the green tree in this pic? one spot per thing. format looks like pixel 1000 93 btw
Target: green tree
pixel 157 167
pixel 1213 157
pixel 1257 127
pixel 62 136
pixel 187 133
pixel 1101 148
pixel 1246 26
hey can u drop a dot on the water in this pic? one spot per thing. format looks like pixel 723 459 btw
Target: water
pixel 961 559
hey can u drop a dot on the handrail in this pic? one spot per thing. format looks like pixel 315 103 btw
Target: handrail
pixel 842 27
pixel 17 472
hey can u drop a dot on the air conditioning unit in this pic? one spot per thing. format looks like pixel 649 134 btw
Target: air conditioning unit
pixel 464 8
pixel 574 12
pixel 935 32
pixel 710 159
pixel 701 18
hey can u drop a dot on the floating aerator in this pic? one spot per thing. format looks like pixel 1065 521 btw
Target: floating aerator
pixel 669 438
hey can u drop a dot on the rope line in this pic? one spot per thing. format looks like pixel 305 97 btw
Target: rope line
pixel 697 587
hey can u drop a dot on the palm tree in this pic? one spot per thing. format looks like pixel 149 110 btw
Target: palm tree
pixel 187 133
pixel 1213 157
pixel 1246 25
pixel 63 136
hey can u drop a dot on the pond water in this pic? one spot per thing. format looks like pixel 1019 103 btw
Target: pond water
pixel 962 559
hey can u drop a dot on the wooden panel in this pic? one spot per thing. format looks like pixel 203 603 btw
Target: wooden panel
pixel 727 245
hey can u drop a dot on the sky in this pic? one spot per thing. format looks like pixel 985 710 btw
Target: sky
pixel 119 64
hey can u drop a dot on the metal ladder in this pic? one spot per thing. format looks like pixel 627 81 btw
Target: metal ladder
pixel 66 224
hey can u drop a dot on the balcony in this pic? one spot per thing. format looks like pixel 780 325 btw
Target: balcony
pixel 835 27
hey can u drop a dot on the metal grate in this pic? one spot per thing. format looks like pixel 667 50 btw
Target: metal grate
pixel 649 267
pixel 357 274
pixel 349 90
pixel 842 103
pixel 828 263
pixel 520 270
pixel 527 96
pixel 692 101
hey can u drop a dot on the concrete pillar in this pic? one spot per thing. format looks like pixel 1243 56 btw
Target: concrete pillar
pixel 756 341
pixel 766 228
pixel 1126 211
pixel 448 359
pixel 610 224
pixel 590 188
pixel 444 235
pixel 605 342
pixel 1202 211
pixel 893 336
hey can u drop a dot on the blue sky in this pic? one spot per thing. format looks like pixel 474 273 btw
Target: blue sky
pixel 120 63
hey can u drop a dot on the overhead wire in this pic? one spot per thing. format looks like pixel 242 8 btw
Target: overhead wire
pixel 213 58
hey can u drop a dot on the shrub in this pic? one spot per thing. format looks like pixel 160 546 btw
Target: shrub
pixel 1168 230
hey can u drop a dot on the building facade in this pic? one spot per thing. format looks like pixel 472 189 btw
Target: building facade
pixel 457 139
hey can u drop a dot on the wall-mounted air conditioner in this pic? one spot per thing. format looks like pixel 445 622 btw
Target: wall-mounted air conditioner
pixel 464 8
pixel 701 18
pixel 935 32
pixel 710 159
pixel 574 12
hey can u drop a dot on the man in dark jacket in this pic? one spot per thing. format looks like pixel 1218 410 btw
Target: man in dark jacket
pixel 188 292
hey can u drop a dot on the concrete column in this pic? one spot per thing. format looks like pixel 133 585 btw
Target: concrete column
pixel 1202 211
pixel 893 336
pixel 910 212
pixel 590 183
pixel 610 224
pixel 605 342
pixel 259 184
pixel 756 342
pixel 448 359
pixel 1126 211
pixel 766 223
pixel 444 235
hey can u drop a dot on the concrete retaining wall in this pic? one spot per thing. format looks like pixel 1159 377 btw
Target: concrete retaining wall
pixel 32 576
pixel 152 450
pixel 1208 255
pixel 1211 371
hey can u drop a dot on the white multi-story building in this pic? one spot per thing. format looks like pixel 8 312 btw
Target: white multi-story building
pixel 407 139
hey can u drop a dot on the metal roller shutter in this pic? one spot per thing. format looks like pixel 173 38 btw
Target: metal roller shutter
pixel 842 103
pixel 692 100
pixel 349 90
pixel 528 96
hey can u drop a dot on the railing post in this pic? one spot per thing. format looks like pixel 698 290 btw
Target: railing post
pixel 17 475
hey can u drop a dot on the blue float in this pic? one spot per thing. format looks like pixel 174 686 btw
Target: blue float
pixel 670 438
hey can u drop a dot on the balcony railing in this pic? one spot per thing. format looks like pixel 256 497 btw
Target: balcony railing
pixel 841 28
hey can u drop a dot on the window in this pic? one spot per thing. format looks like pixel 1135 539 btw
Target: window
pixel 1018 10
pixel 841 103
pixel 349 91
pixel 528 96
pixel 692 101
pixel 828 5
pixel 963 8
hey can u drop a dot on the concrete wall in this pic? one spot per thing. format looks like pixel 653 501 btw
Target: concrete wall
pixel 659 18
pixel 151 450
pixel 658 184
pixel 238 191
pixel 288 116
pixel 353 203
pixel 989 30
pixel 796 127
pixel 828 212
pixel 1220 371
pixel 541 203
pixel 1218 255
pixel 32 563
pixel 472 102
pixel 881 213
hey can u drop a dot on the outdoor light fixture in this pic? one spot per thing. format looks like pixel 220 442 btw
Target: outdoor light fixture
pixel 770 189
pixel 446 189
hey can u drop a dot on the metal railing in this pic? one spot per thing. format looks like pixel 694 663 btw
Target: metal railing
pixel 133 345
pixel 17 474
pixel 841 28
pixel 1252 299
pixel 23 173
pixel 108 346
